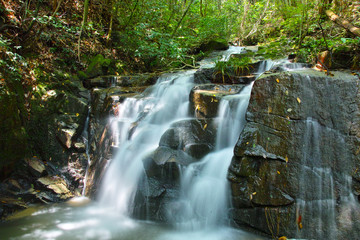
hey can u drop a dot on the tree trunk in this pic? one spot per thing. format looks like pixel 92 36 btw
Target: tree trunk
pixel 343 22
pixel 84 20
pixel 179 23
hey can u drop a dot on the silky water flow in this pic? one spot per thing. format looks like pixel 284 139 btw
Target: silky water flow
pixel 140 123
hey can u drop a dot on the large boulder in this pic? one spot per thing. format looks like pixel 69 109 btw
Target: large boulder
pixel 185 142
pixel 194 137
pixel 205 99
pixel 214 44
pixel 294 161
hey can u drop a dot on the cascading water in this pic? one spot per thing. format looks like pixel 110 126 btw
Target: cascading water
pixel 318 204
pixel 139 127
pixel 86 138
pixel 204 185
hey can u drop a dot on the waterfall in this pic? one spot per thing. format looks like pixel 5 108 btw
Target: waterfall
pixel 86 139
pixel 317 204
pixel 204 185
pixel 138 128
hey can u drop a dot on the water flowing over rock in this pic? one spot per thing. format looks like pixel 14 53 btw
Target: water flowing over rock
pixel 295 160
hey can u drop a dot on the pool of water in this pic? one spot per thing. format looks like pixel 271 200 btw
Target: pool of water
pixel 90 221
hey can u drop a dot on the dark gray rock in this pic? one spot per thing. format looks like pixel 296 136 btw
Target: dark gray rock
pixel 205 99
pixel 297 154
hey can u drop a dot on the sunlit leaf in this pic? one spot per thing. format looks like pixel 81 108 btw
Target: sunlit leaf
pixel 289 110
pixel 277 80
pixel 298 99
pixel 205 126
pixel 286 159
pixel 278 172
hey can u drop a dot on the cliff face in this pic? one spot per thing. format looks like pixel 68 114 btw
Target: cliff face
pixel 294 170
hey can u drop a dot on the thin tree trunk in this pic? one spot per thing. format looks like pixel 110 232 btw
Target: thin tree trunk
pixel 343 23
pixel 114 14
pixel 85 14
pixel 132 14
pixel 182 18
pixel 35 16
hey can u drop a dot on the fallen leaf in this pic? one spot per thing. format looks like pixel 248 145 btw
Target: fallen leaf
pixel 287 92
pixel 278 172
pixel 254 193
pixel 286 159
pixel 289 110
pixel 205 126
pixel 247 143
pixel 300 226
pixel 283 238
pixel 77 114
pixel 298 99
pixel 269 109
pixel 277 80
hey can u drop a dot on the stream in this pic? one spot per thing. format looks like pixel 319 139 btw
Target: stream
pixel 202 207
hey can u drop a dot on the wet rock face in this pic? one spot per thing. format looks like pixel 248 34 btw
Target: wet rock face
pixel 33 182
pixel 185 142
pixel 297 155
pixel 205 99
pixel 103 108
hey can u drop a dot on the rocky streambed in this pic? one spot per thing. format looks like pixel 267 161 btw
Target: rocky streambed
pixel 295 166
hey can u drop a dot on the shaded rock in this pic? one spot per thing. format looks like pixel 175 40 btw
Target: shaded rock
pixel 122 81
pixel 194 137
pixel 57 185
pixel 36 166
pixel 299 146
pixel 215 44
pixel 205 99
pixel 211 75
pixel 161 184
pixel 166 164
pixel 65 137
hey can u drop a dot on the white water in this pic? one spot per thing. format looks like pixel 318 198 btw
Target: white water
pixel 138 128
pixel 204 185
pixel 164 103
pixel 86 139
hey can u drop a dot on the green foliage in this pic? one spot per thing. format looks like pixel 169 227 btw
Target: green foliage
pixel 240 65
pixel 235 66
pixel 222 67
pixel 13 134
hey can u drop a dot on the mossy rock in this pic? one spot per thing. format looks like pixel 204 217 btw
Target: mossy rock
pixel 98 66
pixel 215 44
